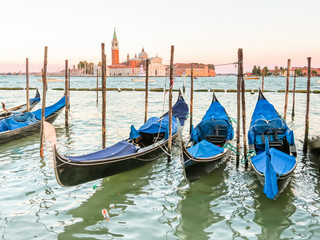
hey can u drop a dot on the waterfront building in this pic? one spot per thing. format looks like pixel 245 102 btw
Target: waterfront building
pixel 135 66
pixel 199 70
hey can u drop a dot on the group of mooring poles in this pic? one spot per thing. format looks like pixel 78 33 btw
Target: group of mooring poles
pixel 103 75
pixel 306 134
pixel 44 93
pixel 240 99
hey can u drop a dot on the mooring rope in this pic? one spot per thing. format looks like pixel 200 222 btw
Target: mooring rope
pixel 231 119
pixel 232 148
pixel 164 101
pixel 224 64
pixel 250 154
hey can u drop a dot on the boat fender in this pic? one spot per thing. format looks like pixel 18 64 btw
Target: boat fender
pixel 105 214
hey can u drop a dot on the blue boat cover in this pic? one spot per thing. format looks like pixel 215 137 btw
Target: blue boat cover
pixel 49 110
pixel 204 149
pixel 179 110
pixel 271 163
pixel 34 99
pixel 119 149
pixel 215 116
pixel 17 121
pixel 28 118
pixel 161 125
pixel 158 125
pixel 264 118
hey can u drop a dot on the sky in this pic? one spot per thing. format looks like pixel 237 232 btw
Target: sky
pixel 204 31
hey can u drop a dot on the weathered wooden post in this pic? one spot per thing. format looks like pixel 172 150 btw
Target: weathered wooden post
pixel 191 98
pixel 238 106
pixel 243 91
pixel 66 94
pixel 294 93
pixel 44 86
pixel 146 98
pixel 103 55
pixel 97 85
pixel 306 133
pixel 27 83
pixel 170 104
pixel 287 90
pixel 262 84
pixel 184 83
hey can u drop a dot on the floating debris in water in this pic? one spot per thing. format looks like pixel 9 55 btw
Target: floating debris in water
pixel 95 187
pixel 105 214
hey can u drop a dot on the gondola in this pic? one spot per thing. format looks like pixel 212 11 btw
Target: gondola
pixel 143 146
pixel 6 113
pixel 272 140
pixel 21 125
pixel 205 150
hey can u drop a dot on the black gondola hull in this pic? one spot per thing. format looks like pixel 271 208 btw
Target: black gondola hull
pixel 195 168
pixel 71 173
pixel 283 180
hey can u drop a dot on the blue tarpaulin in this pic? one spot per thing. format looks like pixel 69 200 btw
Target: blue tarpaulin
pixel 49 110
pixel 215 116
pixel 272 162
pixel 117 150
pixel 204 149
pixel 179 110
pixel 265 118
pixel 161 125
pixel 17 121
pixel 28 118
pixel 158 125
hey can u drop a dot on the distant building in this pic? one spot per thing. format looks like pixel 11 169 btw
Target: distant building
pixel 304 71
pixel 199 70
pixel 135 66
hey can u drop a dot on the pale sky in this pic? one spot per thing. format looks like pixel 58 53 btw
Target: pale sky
pixel 206 31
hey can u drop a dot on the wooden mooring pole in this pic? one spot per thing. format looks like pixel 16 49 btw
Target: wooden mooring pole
pixel 97 85
pixel 294 93
pixel 306 133
pixel 262 83
pixel 103 55
pixel 27 84
pixel 238 106
pixel 69 90
pixel 243 103
pixel 287 90
pixel 146 97
pixel 191 99
pixel 184 83
pixel 44 86
pixel 66 94
pixel 170 104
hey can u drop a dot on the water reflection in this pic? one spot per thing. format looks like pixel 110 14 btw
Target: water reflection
pixel 194 208
pixel 136 195
pixel 273 216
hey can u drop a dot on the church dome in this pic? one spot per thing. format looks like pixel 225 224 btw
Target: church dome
pixel 143 54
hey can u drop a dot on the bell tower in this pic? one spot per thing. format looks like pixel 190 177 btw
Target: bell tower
pixel 115 49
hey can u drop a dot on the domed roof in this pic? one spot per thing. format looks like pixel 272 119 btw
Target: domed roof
pixel 143 54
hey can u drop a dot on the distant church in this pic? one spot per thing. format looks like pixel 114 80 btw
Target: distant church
pixel 135 66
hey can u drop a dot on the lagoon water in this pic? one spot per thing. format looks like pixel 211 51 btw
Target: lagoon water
pixel 154 201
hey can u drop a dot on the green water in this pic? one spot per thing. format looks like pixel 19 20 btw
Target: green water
pixel 154 201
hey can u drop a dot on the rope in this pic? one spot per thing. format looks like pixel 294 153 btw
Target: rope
pixel 232 148
pixel 231 119
pixel 164 101
pixel 223 64
pixel 250 154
